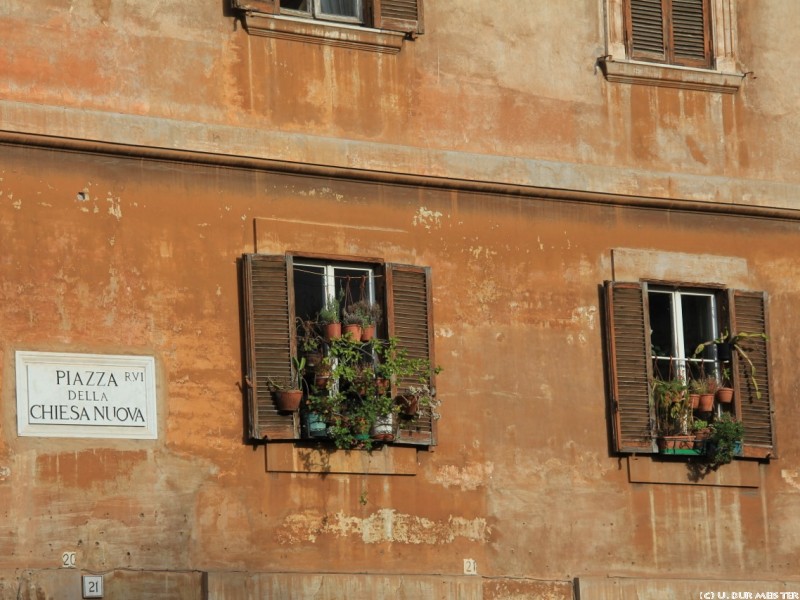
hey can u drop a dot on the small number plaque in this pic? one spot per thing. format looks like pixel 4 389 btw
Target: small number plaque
pixel 92 586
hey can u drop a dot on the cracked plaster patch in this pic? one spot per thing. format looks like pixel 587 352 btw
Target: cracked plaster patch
pixel 385 525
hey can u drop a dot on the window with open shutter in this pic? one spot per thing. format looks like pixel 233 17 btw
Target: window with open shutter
pixel 676 333
pixel 283 298
pixel 629 362
pixel 269 340
pixel 751 373
pixel 410 321
pixel 676 32
pixel 403 16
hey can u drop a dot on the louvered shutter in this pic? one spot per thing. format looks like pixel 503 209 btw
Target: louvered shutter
pixel 268 298
pixel 410 320
pixel 670 31
pixel 749 315
pixel 645 29
pixel 628 341
pixel 398 15
pixel 263 6
pixel 691 33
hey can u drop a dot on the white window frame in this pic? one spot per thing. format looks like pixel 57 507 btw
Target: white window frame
pixel 678 333
pixel 316 13
pixel 329 276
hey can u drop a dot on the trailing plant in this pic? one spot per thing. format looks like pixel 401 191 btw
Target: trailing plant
pixel 735 342
pixel 726 434
pixel 308 339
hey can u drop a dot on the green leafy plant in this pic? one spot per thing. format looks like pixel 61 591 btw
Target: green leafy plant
pixel 673 408
pixel 736 342
pixel 362 313
pixel 329 313
pixel 725 440
pixel 359 390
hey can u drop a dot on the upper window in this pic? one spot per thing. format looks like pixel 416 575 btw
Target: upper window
pixel 288 299
pixel 348 11
pixel 374 25
pixel 686 339
pixel 676 32
pixel 687 44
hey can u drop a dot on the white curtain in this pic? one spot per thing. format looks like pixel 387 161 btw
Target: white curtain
pixel 344 8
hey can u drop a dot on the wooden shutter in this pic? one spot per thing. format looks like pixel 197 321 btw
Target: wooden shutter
pixel 628 341
pixel 270 341
pixel 398 15
pixel 749 315
pixel 645 29
pixel 671 31
pixel 410 320
pixel 691 33
pixel 262 6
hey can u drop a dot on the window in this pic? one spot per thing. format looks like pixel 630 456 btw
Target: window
pixel 348 11
pixel 280 289
pixel 679 322
pixel 375 25
pixel 652 331
pixel 687 44
pixel 676 32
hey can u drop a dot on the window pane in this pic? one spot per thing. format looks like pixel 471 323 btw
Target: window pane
pixel 295 4
pixel 698 325
pixel 353 285
pixel 309 291
pixel 341 8
pixel 661 333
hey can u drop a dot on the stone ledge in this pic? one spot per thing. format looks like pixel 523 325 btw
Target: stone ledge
pixel 740 473
pixel 386 460
pixel 325 33
pixel 670 76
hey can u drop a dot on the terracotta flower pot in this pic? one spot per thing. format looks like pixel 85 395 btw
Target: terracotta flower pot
pixel 288 400
pixel 352 330
pixel 725 395
pixel 331 331
pixel 367 333
pixel 706 403
pixel 695 400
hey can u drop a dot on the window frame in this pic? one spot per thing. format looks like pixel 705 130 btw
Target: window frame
pixel 630 371
pixel 382 26
pixel 722 75
pixel 270 335
pixel 317 13
pixel 668 53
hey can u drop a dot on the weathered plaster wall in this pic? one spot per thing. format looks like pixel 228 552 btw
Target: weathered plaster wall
pixel 112 255
pixel 485 94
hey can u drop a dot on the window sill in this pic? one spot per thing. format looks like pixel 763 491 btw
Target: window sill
pixel 739 473
pixel 327 33
pixel 640 73
pixel 386 460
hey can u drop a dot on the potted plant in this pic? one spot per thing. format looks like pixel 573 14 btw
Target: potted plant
pixel 288 396
pixel 351 325
pixel 725 440
pixel 701 432
pixel 329 319
pixel 736 342
pixel 725 391
pixel 308 342
pixel 366 314
pixel 704 388
pixel 673 415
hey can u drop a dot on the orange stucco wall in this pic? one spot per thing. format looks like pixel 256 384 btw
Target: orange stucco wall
pixel 129 250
